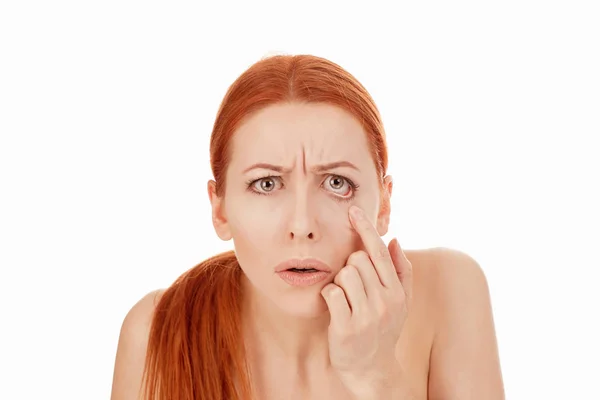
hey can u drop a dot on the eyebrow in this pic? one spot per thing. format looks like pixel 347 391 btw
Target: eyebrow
pixel 316 168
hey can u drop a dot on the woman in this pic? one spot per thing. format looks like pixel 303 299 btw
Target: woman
pixel 312 304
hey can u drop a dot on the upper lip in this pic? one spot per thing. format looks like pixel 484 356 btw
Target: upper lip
pixel 302 263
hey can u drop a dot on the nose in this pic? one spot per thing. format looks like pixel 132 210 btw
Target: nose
pixel 304 223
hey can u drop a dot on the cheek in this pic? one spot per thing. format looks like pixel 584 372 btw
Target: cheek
pixel 251 229
pixel 333 218
pixel 254 222
pixel 253 245
pixel 337 230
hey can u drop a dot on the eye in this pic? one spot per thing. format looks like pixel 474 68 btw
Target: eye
pixel 264 185
pixel 341 186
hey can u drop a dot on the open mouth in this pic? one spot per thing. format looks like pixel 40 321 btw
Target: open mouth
pixel 302 270
pixel 303 273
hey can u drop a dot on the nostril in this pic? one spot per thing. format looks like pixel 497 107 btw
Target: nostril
pixel 309 235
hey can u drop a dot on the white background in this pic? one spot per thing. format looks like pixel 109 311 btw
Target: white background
pixel 492 114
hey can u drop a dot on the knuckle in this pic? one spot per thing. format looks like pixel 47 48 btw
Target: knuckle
pixel 364 257
pixel 346 274
pixel 381 252
pixel 382 310
pixel 349 270
pixel 339 277
pixel 364 325
pixel 345 334
pixel 353 258
pixel 385 317
pixel 358 257
pixel 336 292
pixel 400 296
pixel 396 299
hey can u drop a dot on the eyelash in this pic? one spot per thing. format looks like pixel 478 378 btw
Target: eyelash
pixel 353 185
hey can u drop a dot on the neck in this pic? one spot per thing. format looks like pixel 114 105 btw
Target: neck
pixel 275 337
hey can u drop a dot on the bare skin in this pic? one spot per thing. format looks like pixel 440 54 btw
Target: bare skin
pixel 276 380
pixel 447 348
pixel 430 374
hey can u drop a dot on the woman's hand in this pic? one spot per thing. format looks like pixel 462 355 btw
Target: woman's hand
pixel 368 306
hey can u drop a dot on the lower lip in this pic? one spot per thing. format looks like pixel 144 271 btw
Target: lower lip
pixel 302 278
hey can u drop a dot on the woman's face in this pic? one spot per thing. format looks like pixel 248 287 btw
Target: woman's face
pixel 295 169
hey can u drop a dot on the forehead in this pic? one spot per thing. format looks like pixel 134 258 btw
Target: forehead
pixel 278 133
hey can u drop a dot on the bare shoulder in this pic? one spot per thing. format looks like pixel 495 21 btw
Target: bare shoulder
pixel 131 349
pixel 424 263
pixel 464 361
pixel 433 266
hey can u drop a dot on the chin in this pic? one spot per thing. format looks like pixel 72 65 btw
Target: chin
pixel 302 305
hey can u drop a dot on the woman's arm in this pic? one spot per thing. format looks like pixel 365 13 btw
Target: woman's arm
pixel 464 361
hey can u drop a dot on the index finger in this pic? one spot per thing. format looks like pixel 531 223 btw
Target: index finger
pixel 375 246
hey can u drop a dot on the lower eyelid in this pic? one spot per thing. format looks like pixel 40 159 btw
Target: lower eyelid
pixel 350 183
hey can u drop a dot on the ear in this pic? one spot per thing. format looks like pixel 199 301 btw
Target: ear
pixel 383 218
pixel 219 219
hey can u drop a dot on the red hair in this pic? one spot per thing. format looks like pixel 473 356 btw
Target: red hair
pixel 195 346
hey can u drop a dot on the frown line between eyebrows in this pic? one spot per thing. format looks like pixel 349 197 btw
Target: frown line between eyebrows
pixel 316 168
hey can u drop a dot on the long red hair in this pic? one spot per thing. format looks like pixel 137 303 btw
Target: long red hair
pixel 195 347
